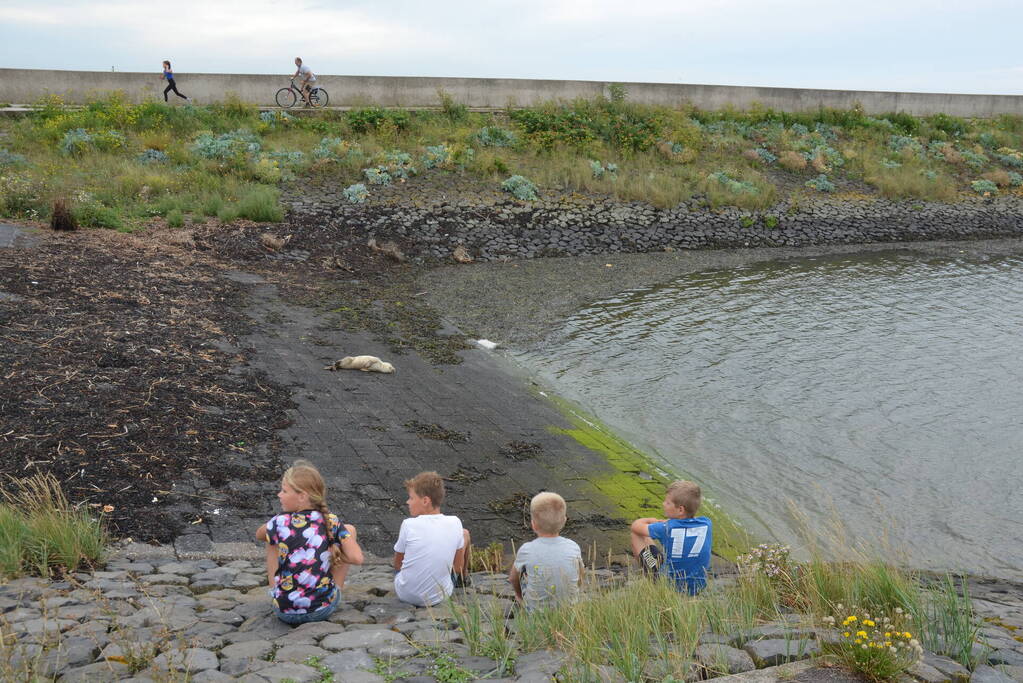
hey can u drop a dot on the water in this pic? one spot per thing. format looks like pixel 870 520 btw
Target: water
pixel 882 390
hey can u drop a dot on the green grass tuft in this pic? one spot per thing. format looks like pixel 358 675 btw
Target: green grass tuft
pixel 41 531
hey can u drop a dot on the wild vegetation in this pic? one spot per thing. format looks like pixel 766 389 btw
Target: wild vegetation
pixel 118 165
pixel 41 531
pixel 868 616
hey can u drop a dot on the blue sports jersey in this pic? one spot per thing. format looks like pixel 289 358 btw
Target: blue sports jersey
pixel 686 551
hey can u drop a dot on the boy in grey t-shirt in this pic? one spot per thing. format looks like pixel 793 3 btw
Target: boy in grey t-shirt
pixel 551 565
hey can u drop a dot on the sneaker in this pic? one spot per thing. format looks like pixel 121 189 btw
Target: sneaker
pixel 461 580
pixel 650 559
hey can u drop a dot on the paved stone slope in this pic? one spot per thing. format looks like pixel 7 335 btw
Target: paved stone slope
pixel 359 429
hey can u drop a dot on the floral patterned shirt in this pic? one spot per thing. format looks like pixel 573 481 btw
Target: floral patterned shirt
pixel 303 582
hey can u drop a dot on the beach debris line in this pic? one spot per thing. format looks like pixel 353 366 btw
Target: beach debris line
pixel 432 430
pixel 364 363
pixel 461 254
pixel 272 242
pixel 521 450
pixel 389 249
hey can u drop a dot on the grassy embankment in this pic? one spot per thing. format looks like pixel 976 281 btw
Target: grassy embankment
pixel 869 617
pixel 118 165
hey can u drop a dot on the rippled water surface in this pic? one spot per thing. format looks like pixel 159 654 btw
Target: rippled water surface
pixel 880 389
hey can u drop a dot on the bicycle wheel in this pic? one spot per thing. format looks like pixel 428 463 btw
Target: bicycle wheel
pixel 286 98
pixel 318 97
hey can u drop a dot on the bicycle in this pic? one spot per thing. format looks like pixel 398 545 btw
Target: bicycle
pixel 287 97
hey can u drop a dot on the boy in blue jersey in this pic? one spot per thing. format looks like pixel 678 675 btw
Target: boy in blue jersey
pixel 686 539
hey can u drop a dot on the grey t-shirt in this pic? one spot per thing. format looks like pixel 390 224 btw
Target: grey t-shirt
pixel 550 570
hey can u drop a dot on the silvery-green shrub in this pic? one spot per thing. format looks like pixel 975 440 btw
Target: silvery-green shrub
pixel 436 155
pixel 398 164
pixel 274 118
pixel 494 136
pixel 984 187
pixel 326 149
pixel 973 159
pixel 226 146
pixel 521 187
pixel 76 142
pixel 377 175
pixel 821 184
pixel 152 156
pixel 1009 157
pixel 898 143
pixel 732 185
pixel 356 194
pixel 10 159
pixel 287 157
pixel 603 169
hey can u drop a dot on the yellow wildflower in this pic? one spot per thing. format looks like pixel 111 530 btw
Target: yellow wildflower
pixel 868 622
pixel 846 634
pixel 861 634
pixel 887 634
pixel 857 641
pixel 907 634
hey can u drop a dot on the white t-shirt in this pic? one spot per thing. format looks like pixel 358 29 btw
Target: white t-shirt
pixel 305 72
pixel 429 543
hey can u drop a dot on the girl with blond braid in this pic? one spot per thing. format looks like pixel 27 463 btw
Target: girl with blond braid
pixel 308 549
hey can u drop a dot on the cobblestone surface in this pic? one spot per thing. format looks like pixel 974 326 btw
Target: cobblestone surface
pixel 120 625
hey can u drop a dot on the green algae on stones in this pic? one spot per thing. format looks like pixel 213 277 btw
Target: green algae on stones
pixel 636 495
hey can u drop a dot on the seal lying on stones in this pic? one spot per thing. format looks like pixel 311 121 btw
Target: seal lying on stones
pixel 364 363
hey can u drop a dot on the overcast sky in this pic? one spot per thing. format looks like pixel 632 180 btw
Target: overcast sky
pixel 917 45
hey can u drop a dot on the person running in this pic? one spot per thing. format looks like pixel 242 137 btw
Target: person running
pixel 308 78
pixel 168 73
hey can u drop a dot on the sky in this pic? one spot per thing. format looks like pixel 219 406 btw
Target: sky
pixel 913 45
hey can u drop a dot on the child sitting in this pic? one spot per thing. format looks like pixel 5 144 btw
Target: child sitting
pixel 308 549
pixel 686 539
pixel 552 565
pixel 431 555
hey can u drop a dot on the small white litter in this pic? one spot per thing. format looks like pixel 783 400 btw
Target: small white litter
pixel 486 344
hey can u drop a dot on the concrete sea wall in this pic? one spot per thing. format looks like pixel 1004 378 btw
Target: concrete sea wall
pixel 24 86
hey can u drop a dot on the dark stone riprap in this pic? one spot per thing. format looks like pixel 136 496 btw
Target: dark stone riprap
pixel 503 229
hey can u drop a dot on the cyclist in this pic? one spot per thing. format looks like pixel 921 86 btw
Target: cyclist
pixel 308 79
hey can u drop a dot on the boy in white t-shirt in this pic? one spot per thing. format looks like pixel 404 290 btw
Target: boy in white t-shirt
pixel 432 551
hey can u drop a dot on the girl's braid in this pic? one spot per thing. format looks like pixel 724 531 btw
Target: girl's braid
pixel 336 554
